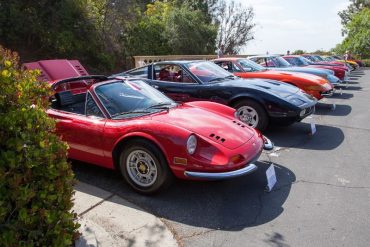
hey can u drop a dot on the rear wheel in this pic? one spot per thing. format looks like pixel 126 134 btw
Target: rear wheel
pixel 144 167
pixel 252 113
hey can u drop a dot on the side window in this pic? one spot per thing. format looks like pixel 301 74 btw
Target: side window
pixel 171 73
pixel 92 108
pixel 261 61
pixel 140 72
pixel 235 68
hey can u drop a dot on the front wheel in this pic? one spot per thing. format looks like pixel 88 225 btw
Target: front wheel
pixel 252 113
pixel 144 167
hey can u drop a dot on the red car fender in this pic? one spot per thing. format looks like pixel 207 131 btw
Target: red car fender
pixel 133 135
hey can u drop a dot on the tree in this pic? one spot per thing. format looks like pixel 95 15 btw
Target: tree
pixel 165 29
pixel 188 32
pixel 235 26
pixel 298 52
pixel 35 178
pixel 358 34
pixel 354 7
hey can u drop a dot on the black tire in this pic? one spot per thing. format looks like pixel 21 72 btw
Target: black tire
pixel 164 176
pixel 263 119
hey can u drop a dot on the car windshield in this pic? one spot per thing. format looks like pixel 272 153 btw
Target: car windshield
pixel 304 60
pixel 208 72
pixel 319 58
pixel 131 98
pixel 246 64
pixel 280 62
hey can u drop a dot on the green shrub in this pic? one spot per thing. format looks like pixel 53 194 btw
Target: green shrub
pixel 366 62
pixel 35 178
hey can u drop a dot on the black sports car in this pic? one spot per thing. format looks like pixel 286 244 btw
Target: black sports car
pixel 258 102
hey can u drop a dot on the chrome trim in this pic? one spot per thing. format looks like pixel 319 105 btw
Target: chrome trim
pixel 267 144
pixel 328 93
pixel 222 175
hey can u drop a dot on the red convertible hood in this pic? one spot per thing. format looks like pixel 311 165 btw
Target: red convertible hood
pixel 209 125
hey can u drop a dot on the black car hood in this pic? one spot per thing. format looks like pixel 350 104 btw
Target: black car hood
pixel 278 88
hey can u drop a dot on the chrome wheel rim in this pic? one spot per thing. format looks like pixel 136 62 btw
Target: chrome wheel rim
pixel 248 115
pixel 141 168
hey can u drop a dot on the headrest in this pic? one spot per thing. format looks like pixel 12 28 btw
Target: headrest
pixel 65 98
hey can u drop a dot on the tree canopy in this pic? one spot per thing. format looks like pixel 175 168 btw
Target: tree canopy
pixel 356 28
pixel 104 34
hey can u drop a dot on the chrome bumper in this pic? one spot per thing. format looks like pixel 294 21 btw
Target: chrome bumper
pixel 267 144
pixel 328 93
pixel 222 175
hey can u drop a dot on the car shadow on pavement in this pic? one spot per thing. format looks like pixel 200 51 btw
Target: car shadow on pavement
pixel 299 136
pixel 351 82
pixel 328 109
pixel 354 88
pixel 342 96
pixel 229 205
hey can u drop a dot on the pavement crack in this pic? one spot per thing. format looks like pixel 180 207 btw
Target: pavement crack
pixel 95 205
pixel 319 183
pixel 194 234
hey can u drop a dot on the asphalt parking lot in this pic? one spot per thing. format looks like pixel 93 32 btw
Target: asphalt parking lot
pixel 322 197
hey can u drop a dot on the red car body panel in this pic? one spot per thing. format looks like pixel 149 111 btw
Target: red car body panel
pixel 339 71
pixel 311 84
pixel 220 136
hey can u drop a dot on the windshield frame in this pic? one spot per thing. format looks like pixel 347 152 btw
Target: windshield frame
pixel 223 74
pixel 147 110
pixel 255 66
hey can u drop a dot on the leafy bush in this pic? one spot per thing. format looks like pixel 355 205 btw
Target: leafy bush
pixel 35 178
pixel 366 62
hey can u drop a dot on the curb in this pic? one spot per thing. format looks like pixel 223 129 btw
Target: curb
pixel 109 220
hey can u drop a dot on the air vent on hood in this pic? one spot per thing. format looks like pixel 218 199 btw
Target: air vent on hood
pixel 218 138
pixel 238 123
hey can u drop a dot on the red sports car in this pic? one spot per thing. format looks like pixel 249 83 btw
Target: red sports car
pixel 339 70
pixel 130 126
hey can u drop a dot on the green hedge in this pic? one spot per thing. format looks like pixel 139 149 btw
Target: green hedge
pixel 366 62
pixel 35 179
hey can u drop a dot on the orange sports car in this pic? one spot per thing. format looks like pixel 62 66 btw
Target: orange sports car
pixel 311 84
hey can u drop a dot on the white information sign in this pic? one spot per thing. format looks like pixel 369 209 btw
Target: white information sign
pixel 313 128
pixel 271 177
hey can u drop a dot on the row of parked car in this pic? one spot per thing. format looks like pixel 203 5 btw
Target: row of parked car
pixel 187 119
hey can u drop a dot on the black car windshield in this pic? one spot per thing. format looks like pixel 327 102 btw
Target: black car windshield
pixel 131 98
pixel 249 64
pixel 208 72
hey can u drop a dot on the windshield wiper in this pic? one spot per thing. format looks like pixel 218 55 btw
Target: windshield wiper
pixel 222 78
pixel 129 112
pixel 229 77
pixel 164 105
pixel 216 79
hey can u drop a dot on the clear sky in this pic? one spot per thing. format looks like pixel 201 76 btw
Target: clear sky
pixel 295 24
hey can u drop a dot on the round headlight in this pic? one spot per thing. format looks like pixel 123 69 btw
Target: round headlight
pixel 191 144
pixel 301 114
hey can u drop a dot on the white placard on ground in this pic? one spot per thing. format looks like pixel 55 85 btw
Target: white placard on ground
pixel 341 91
pixel 333 107
pixel 271 177
pixel 313 128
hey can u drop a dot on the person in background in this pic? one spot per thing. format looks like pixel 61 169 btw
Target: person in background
pixel 288 52
pixel 220 51
pixel 347 56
